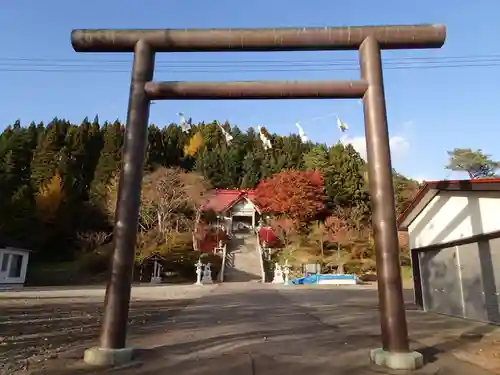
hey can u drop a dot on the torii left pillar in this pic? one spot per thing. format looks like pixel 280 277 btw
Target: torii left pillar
pixel 112 349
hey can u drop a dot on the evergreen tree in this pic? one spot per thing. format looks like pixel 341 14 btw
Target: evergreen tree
pixel 46 157
pixel 109 159
pixel 155 149
pixel 475 163
pixel 316 158
pixel 92 145
pixel 251 170
pixel 344 180
pixel 209 163
pixel 294 149
pixel 72 162
pixel 404 190
pixel 17 218
pixel 174 140
pixel 15 166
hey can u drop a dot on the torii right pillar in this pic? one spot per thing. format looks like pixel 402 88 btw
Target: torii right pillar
pixel 395 352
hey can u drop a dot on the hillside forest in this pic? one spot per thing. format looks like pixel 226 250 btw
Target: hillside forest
pixel 58 185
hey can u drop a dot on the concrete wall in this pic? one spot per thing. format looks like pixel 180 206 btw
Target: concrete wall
pixel 454 215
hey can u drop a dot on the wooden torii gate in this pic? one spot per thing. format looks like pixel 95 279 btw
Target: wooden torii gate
pixel 370 41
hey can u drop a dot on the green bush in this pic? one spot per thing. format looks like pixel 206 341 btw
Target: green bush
pixel 353 267
pixel 94 263
pixel 52 274
pixel 183 262
pixel 176 242
pixel 86 270
pixel 180 258
pixel 360 266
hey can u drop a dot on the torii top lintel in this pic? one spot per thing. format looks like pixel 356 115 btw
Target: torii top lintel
pixel 281 39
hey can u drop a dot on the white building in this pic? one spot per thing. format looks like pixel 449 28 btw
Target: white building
pixel 13 267
pixel 454 238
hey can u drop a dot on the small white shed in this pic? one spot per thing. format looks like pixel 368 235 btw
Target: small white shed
pixel 13 267
pixel 454 239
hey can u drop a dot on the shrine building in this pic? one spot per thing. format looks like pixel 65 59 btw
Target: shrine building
pixel 235 208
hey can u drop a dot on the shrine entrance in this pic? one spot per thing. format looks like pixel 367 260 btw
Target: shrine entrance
pixel 244 216
pixel 370 41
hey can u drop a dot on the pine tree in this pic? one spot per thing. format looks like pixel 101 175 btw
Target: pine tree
pixel 109 159
pixel 251 168
pixel 17 218
pixel 174 140
pixel 294 149
pixel 46 157
pixel 344 179
pixel 15 166
pixel 93 145
pixel 72 162
pixel 210 164
pixel 155 156
pixel 316 158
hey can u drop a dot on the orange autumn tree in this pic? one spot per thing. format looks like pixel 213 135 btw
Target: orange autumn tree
pixel 194 144
pixel 49 199
pixel 298 195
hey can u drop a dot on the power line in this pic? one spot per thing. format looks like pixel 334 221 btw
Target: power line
pixel 58 69
pixel 45 65
pixel 177 65
pixel 98 59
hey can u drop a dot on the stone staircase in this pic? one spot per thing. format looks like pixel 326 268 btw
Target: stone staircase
pixel 243 259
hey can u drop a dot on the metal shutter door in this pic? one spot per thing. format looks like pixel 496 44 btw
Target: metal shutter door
pixel 495 261
pixel 441 282
pixel 472 286
pixel 489 259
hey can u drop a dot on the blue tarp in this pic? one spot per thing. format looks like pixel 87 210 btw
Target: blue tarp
pixel 337 277
pixel 313 279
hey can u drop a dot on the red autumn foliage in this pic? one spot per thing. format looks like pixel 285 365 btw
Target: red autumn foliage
pixel 210 241
pixel 208 238
pixel 297 194
pixel 268 236
pixel 285 228
pixel 278 233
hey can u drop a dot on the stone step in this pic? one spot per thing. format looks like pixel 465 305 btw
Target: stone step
pixel 245 265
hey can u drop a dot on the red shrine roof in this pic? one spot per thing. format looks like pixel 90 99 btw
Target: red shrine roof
pixel 224 199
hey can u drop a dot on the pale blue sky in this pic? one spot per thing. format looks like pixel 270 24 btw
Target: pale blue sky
pixel 430 110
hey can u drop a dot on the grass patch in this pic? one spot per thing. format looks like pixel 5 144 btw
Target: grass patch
pixel 406 273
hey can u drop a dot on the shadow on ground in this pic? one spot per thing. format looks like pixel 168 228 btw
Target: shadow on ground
pixel 260 330
pixel 235 275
